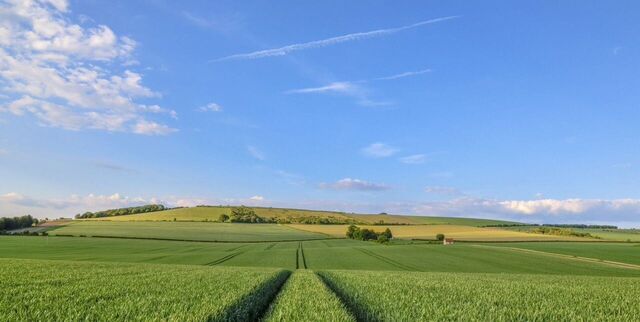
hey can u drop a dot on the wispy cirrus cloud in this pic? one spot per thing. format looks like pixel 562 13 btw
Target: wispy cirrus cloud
pixel 256 153
pixel 405 74
pixel 379 150
pixel 414 159
pixel 355 89
pixel 354 184
pixel 284 50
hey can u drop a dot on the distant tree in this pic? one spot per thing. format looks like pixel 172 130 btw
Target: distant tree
pixel 368 234
pixel 383 239
pixel 440 237
pixel 351 231
pixel 387 233
pixel 223 218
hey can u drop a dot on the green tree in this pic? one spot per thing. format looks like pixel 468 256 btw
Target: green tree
pixel 387 233
pixel 223 218
pixel 352 230
pixel 440 237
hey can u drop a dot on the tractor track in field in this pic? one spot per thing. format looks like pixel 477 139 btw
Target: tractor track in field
pixel 388 260
pixel 301 261
pixel 224 259
pixel 236 248
pixel 565 256
pixel 351 307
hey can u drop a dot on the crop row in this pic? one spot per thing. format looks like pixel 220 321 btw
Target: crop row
pixel 414 296
pixel 305 298
pixel 36 290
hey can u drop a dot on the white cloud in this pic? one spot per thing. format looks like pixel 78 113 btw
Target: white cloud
pixel 281 51
pixel 379 150
pixel 414 159
pixel 256 153
pixel 257 198
pixel 336 87
pixel 354 184
pixel 211 107
pixel 622 211
pixel 64 74
pixel 355 89
pixel 350 89
pixel 152 128
pixel 438 190
pixel 403 75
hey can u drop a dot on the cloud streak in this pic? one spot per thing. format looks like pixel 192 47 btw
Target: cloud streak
pixel 354 184
pixel 355 89
pixel 403 75
pixel 379 150
pixel 281 51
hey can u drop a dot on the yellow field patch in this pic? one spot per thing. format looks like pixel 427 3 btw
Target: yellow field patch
pixel 430 231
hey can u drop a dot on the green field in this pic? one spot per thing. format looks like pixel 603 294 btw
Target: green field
pixel 36 290
pixel 617 252
pixel 203 271
pixel 410 296
pixel 212 213
pixel 318 255
pixel 187 231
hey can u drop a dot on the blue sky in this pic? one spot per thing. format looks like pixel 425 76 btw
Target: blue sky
pixel 523 110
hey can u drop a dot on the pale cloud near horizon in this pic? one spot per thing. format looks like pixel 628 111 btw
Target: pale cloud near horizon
pixel 624 212
pixel 440 190
pixel 62 73
pixel 379 150
pixel 281 51
pixel 354 184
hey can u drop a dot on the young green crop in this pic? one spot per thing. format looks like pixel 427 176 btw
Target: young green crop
pixel 305 298
pixel 413 296
pixel 38 290
pixel 195 231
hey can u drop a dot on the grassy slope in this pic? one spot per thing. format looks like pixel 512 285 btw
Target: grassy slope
pixel 468 233
pixel 187 231
pixel 36 290
pixel 322 254
pixel 412 296
pixel 213 213
pixel 606 234
pixel 306 298
pixel 617 252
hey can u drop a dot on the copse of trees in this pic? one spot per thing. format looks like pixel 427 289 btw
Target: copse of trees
pixel 560 232
pixel 121 211
pixel 355 232
pixel 244 214
pixel 17 222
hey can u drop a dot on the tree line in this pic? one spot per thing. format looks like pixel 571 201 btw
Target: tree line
pixel 555 225
pixel 7 223
pixel 121 211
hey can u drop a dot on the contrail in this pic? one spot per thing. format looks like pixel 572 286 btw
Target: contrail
pixel 281 51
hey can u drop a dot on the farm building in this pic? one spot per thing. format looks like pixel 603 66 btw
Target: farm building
pixel 447 241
